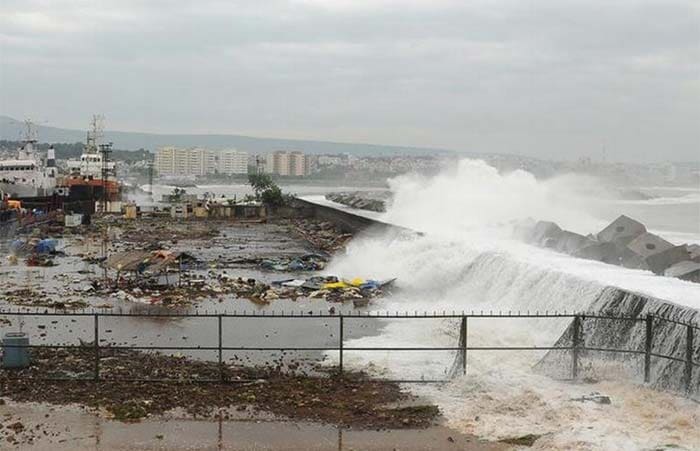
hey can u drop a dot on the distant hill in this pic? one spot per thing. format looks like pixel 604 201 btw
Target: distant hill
pixel 11 129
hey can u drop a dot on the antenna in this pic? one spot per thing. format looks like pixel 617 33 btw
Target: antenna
pixel 30 132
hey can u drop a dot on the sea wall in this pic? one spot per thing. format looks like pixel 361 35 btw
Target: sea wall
pixel 669 338
pixel 347 222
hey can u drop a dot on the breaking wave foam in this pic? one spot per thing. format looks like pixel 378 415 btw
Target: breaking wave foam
pixel 466 262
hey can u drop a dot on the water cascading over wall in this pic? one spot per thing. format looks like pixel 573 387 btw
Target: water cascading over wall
pixel 668 338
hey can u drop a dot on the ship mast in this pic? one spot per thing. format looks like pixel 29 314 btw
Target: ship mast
pixel 95 134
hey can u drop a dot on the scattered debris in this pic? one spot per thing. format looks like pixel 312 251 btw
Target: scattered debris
pixel 524 440
pixel 594 397
pixel 352 400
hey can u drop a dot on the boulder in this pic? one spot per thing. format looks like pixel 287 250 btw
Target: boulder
pixel 570 242
pixel 694 251
pixel 612 253
pixel 648 244
pixel 545 233
pixel 622 230
pixel 686 270
pixel 659 262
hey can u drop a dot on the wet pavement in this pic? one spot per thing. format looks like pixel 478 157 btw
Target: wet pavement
pixel 74 428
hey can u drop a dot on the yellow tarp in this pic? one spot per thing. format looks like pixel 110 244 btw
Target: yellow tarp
pixel 356 282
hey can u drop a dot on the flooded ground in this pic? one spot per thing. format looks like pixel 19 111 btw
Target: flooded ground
pixel 226 253
pixel 73 428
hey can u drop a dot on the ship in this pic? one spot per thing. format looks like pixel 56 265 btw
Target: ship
pixel 28 175
pixel 93 176
pixel 89 182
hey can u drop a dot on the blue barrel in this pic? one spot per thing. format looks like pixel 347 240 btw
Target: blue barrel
pixel 15 357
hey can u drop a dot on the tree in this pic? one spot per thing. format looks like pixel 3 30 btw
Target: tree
pixel 266 190
pixel 260 183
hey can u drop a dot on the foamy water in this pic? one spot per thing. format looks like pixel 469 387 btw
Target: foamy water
pixel 467 261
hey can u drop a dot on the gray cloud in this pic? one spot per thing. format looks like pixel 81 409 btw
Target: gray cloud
pixel 550 78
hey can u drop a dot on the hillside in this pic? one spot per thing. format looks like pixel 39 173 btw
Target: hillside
pixel 11 129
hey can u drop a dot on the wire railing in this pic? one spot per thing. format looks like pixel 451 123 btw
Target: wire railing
pixel 575 345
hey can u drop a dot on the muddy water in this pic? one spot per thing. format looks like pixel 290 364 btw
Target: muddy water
pixel 72 276
pixel 74 429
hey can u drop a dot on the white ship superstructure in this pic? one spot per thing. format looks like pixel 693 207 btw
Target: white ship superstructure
pixel 90 165
pixel 28 175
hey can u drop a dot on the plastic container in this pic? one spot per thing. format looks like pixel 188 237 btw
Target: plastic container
pixel 13 356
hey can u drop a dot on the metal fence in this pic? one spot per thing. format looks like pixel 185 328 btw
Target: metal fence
pixel 576 345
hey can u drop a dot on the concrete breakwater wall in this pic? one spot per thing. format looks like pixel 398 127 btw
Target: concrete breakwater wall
pixel 345 221
pixel 668 337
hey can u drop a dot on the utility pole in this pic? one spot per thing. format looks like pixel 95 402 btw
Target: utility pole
pixel 150 179
pixel 105 150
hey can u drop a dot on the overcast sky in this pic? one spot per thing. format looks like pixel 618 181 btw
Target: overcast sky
pixel 553 78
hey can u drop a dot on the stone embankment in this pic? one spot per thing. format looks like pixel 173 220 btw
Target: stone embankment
pixel 624 242
pixel 363 200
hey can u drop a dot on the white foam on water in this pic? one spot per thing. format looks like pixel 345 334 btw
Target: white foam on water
pixel 466 261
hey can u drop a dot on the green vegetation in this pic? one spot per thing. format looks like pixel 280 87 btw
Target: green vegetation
pixel 266 190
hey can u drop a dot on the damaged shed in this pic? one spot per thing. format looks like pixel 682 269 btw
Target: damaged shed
pixel 154 262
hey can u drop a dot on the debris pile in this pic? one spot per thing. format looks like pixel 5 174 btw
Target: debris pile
pixel 624 242
pixel 351 400
pixel 309 262
pixel 38 252
pixel 323 235
pixel 27 297
pixel 332 289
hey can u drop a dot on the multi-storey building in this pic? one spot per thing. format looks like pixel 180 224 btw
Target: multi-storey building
pixel 287 163
pixel 232 161
pixel 199 161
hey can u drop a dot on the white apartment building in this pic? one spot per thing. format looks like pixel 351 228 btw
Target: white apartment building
pixel 232 161
pixel 174 161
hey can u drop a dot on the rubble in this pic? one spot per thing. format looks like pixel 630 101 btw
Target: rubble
pixel 309 262
pixel 27 297
pixel 353 400
pixel 322 235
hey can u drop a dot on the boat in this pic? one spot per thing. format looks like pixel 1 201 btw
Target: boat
pixel 93 176
pixel 28 175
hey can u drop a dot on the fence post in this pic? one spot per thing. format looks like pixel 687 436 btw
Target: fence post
pixel 463 343
pixel 688 358
pixel 221 362
pixel 647 348
pixel 575 346
pixel 96 346
pixel 340 344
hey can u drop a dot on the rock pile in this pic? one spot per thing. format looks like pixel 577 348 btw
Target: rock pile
pixel 624 242
pixel 363 200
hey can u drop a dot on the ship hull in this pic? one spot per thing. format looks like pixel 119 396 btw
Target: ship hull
pixel 15 190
